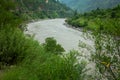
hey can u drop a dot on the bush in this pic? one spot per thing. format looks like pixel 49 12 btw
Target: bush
pixel 14 46
pixel 51 45
pixel 44 66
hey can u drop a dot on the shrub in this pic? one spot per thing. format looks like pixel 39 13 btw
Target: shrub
pixel 51 45
pixel 44 66
pixel 14 46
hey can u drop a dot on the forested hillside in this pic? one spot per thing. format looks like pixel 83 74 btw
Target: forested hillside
pixel 43 9
pixel 87 5
pixel 107 18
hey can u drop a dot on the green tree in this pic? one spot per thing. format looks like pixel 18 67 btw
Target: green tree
pixel 10 34
pixel 51 45
pixel 8 14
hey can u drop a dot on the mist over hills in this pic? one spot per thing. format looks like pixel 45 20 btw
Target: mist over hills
pixel 87 5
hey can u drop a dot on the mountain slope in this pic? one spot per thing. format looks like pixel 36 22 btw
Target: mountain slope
pixel 43 8
pixel 87 5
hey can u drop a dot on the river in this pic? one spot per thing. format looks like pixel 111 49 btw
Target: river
pixel 68 37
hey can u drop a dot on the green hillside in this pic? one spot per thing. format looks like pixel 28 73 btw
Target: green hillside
pixel 109 19
pixel 42 9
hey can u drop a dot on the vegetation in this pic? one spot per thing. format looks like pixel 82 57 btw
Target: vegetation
pixel 100 18
pixel 38 64
pixel 40 9
pixel 107 56
pixel 10 36
pixel 51 45
pixel 23 58
pixel 104 25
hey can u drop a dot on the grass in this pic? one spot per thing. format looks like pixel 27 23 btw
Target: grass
pixel 28 60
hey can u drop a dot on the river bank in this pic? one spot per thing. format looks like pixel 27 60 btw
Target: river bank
pixel 69 38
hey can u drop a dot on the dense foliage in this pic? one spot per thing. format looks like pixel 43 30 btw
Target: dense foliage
pixel 9 32
pixel 23 58
pixel 51 45
pixel 41 9
pixel 108 19
pixel 88 5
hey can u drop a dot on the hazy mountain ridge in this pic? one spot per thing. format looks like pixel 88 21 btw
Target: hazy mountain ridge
pixel 87 5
